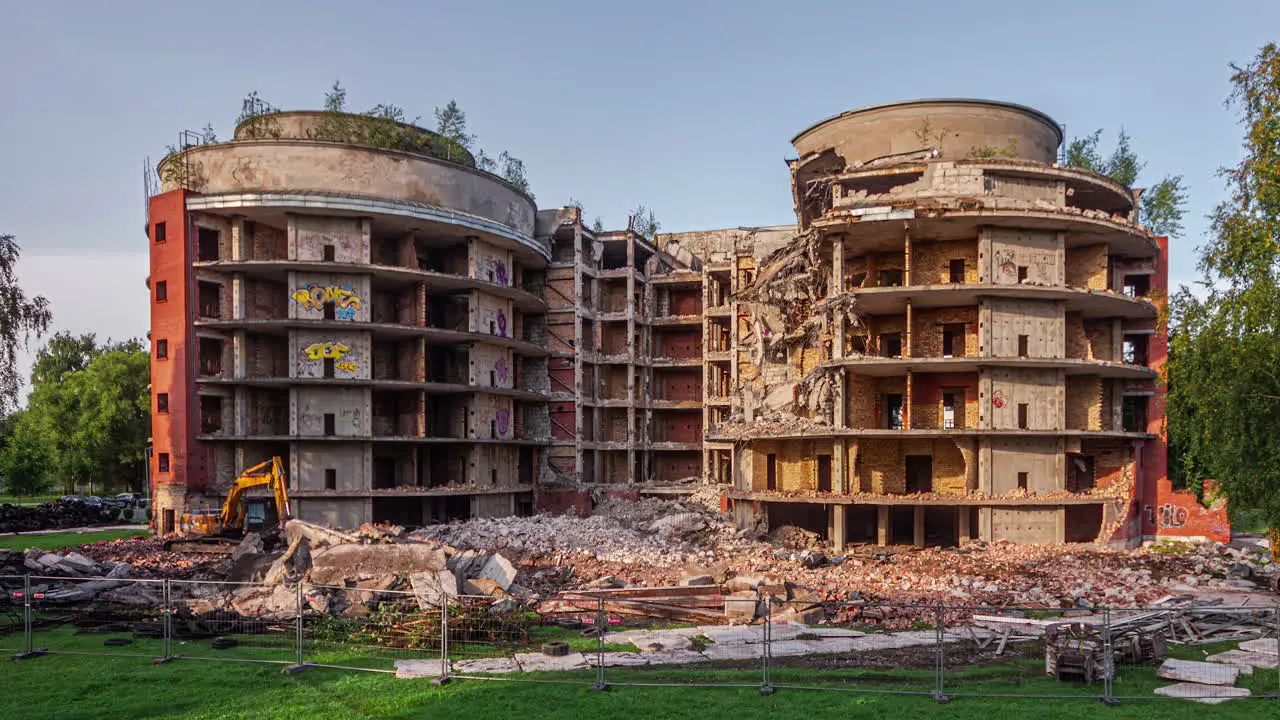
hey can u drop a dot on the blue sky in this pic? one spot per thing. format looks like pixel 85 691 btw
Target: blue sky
pixel 686 107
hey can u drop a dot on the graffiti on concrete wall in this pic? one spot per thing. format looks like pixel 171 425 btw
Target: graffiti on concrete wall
pixel 499 270
pixel 500 371
pixel 1167 515
pixel 331 350
pixel 344 298
pixel 997 399
pixel 502 323
pixel 502 419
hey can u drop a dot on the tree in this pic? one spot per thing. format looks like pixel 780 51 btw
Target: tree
pixel 451 124
pixel 90 408
pixel 513 172
pixel 644 222
pixel 21 319
pixel 1162 205
pixel 24 458
pixel 1224 362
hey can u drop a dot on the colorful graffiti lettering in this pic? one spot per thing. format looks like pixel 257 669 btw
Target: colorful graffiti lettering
pixel 344 299
pixel 1172 516
pixel 997 399
pixel 503 420
pixel 346 366
pixel 327 351
pixel 502 323
pixel 1004 261
pixel 500 370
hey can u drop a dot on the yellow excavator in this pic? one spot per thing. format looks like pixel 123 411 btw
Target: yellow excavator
pixel 206 532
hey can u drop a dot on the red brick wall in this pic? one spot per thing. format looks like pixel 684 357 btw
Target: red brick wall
pixel 681 427
pixel 680 385
pixel 670 466
pixel 678 344
pixel 686 302
pixel 171 321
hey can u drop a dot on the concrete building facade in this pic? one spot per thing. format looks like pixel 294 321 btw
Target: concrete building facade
pixel 958 339
pixel 372 314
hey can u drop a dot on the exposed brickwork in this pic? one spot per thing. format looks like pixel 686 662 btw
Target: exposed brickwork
pixel 931 261
pixel 1087 267
pixel 1077 339
pixel 1084 402
pixel 928 326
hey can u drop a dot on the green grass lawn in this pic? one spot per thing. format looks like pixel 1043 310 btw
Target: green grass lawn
pixel 64 540
pixel 65 686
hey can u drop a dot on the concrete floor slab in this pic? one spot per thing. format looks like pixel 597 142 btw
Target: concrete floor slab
pixel 620 659
pixel 675 657
pixel 1243 659
pixel 1264 646
pixel 734 651
pixel 486 666
pixel 1203 673
pixel 1207 694
pixel 418 668
pixel 537 662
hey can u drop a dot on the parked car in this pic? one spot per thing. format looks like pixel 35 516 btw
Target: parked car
pixel 129 499
pixel 86 499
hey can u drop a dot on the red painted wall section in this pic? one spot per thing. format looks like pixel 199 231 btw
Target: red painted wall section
pixel 171 432
pixel 1164 512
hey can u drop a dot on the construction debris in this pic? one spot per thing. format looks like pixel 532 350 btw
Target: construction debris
pixel 54 515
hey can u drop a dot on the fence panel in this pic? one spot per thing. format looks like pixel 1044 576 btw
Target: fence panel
pixel 240 622
pixel 502 640
pixel 1198 651
pixel 370 629
pixel 12 614
pixel 98 616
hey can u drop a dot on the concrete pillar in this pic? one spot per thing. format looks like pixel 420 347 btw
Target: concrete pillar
pixel 836 526
pixel 906 260
pixel 839 410
pixel 838 482
pixel 836 286
pixel 906 339
pixel 883 534
pixel 918 534
pixel 963 514
pixel 239 249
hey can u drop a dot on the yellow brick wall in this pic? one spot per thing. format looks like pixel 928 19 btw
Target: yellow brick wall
pixel 881 464
pixel 927 326
pixel 931 261
pixel 854 267
pixel 1087 267
pixel 1084 402
pixel 797 466
pixel 1077 339
pixel 1099 334
pixel 928 416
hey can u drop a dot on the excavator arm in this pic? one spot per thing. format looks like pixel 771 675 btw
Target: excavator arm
pixel 234 511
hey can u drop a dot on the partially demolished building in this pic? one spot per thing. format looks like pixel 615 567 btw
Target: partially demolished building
pixel 958 339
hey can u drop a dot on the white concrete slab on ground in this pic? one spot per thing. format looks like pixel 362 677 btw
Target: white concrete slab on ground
pixel 1193 671
pixel 537 662
pixel 1245 659
pixel 486 666
pixel 734 651
pixel 620 659
pixel 675 657
pixel 418 668
pixel 1265 646
pixel 654 640
pixel 1207 694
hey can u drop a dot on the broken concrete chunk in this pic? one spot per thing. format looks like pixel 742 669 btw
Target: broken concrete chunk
pixel 1205 673
pixel 339 563
pixel 1243 658
pixel 499 570
pixel 742 605
pixel 433 586
pixel 250 545
pixel 485 587
pixel 432 668
pixel 697 580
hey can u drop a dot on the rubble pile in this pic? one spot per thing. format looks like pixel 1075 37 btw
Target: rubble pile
pixel 648 532
pixel 149 559
pixel 52 516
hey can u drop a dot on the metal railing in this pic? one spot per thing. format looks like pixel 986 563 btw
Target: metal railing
pixel 782 640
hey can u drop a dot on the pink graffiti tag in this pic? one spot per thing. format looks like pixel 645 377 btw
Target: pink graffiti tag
pixel 500 369
pixel 502 323
pixel 503 420
pixel 997 399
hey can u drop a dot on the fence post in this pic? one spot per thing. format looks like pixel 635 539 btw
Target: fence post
pixel 299 633
pixel 1108 659
pixel 298 663
pixel 601 624
pixel 1277 609
pixel 444 639
pixel 766 659
pixel 166 616
pixel 28 640
pixel 939 653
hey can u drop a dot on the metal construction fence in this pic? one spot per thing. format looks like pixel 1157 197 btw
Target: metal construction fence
pixel 938 651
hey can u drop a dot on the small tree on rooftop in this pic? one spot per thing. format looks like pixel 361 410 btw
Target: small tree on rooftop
pixel 1163 205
